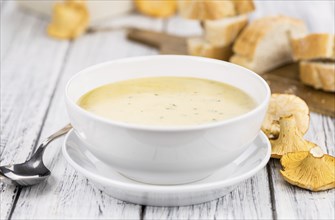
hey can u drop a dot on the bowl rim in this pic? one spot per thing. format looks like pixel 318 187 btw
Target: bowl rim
pixel 238 118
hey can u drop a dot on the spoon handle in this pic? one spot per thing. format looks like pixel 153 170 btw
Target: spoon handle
pixel 57 134
pixel 40 150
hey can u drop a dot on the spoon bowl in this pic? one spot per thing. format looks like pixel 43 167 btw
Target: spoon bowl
pixel 33 171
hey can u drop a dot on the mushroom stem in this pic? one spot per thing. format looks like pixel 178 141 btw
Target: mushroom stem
pixel 290 139
pixel 282 105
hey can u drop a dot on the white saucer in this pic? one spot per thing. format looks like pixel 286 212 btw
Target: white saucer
pixel 120 187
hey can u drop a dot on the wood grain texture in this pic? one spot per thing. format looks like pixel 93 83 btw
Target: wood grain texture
pixel 251 200
pixel 286 80
pixel 294 203
pixel 30 67
pixel 67 194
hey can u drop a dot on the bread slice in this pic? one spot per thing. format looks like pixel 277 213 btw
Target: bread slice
pixel 244 6
pixel 320 75
pixel 314 46
pixel 214 9
pixel 264 44
pixel 200 47
pixel 224 31
pixel 206 9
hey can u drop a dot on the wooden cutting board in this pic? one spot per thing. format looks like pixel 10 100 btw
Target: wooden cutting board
pixel 281 80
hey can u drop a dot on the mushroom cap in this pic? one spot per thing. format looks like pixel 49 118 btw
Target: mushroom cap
pixel 69 20
pixel 309 170
pixel 290 139
pixel 282 105
pixel 206 9
pixel 162 8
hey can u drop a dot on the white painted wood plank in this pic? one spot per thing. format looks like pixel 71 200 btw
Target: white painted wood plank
pixel 30 66
pixel 68 194
pixel 322 132
pixel 2 5
pixel 251 200
pixel 294 203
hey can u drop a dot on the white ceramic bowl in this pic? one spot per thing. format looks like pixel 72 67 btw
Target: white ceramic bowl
pixel 167 155
pixel 217 185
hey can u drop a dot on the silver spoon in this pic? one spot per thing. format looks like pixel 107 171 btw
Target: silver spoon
pixel 33 171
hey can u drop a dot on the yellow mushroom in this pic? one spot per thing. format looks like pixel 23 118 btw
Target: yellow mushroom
pixel 206 9
pixel 69 20
pixel 290 139
pixel 156 8
pixel 282 105
pixel 312 170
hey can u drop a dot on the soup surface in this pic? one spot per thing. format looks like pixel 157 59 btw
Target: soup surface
pixel 167 101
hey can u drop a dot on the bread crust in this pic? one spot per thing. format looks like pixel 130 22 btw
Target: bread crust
pixel 314 46
pixel 244 6
pixel 248 41
pixel 223 32
pixel 320 75
pixel 240 60
pixel 206 9
pixel 200 47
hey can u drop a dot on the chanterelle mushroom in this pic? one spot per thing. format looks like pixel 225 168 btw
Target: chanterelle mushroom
pixel 282 105
pixel 290 139
pixel 312 170
pixel 162 8
pixel 69 20
pixel 206 9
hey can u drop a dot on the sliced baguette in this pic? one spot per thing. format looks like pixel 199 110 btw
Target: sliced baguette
pixel 314 46
pixel 200 47
pixel 206 9
pixel 244 6
pixel 320 75
pixel 264 44
pixel 224 31
pixel 214 9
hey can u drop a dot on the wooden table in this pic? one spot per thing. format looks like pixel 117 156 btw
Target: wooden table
pixel 34 71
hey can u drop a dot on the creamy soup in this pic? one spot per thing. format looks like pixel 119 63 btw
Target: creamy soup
pixel 167 101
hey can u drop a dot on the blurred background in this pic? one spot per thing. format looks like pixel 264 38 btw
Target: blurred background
pixel 61 37
pixel 316 13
